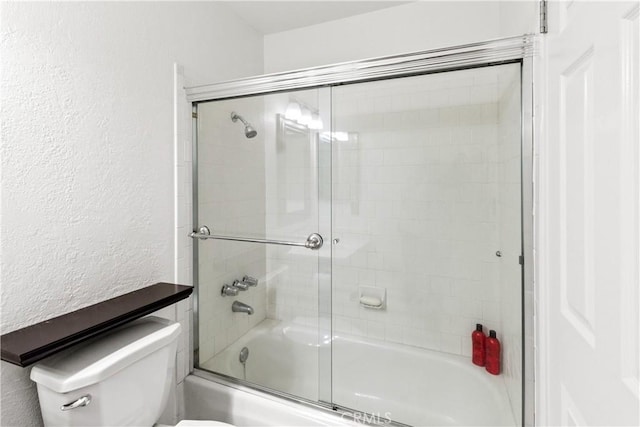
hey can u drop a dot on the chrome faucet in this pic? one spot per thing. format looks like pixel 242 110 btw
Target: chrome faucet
pixel 240 285
pixel 240 307
pixel 251 281
pixel 245 283
pixel 229 291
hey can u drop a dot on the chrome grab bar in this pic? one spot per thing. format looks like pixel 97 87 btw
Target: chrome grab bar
pixel 314 241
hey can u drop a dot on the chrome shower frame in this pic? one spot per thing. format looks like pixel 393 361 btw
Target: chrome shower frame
pixel 520 49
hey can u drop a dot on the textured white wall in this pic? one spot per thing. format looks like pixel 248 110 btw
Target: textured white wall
pixel 87 151
pixel 411 27
pixel 518 17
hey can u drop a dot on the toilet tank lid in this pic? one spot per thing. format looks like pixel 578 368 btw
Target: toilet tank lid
pixel 97 359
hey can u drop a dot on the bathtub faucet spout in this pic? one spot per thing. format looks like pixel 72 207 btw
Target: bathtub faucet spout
pixel 240 307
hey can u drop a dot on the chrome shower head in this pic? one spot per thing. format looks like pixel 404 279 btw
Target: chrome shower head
pixel 249 131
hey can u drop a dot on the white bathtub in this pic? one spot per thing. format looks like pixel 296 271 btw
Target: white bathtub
pixel 245 407
pixel 409 385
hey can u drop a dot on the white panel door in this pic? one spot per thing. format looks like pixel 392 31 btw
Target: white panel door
pixel 588 217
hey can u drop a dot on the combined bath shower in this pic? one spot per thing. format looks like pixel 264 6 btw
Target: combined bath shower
pixel 249 131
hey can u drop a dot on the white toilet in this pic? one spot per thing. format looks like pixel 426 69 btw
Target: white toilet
pixel 122 378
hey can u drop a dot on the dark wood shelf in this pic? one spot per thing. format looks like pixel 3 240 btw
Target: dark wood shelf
pixel 26 346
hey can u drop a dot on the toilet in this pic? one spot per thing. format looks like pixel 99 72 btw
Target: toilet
pixel 122 378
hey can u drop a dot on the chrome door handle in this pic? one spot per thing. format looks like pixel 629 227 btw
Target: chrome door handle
pixel 83 401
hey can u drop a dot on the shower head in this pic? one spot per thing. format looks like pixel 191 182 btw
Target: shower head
pixel 249 131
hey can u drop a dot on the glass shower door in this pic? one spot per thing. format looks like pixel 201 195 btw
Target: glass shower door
pixel 414 184
pixel 427 215
pixel 263 175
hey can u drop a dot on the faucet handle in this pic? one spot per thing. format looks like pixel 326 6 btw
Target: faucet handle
pixel 251 281
pixel 240 285
pixel 229 291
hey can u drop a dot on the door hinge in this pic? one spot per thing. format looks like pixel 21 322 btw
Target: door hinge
pixel 194 115
pixel 544 28
pixel 521 260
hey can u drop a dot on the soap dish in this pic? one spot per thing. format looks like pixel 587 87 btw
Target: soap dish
pixel 373 298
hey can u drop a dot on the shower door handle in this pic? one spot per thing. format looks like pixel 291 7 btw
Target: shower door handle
pixel 314 240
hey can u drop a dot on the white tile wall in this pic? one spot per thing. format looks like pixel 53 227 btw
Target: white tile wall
pixel 416 208
pixel 415 202
pixel 291 179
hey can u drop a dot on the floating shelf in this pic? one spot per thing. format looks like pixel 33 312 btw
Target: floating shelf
pixel 26 346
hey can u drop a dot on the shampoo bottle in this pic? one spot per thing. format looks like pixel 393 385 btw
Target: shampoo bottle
pixel 492 361
pixel 478 339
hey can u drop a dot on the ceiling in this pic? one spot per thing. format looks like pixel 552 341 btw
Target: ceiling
pixel 275 16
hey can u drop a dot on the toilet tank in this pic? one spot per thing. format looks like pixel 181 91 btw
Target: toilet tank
pixel 127 373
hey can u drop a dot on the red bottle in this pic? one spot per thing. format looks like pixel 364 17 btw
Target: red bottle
pixel 493 354
pixel 478 345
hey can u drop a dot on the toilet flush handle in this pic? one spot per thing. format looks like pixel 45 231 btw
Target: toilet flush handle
pixel 83 401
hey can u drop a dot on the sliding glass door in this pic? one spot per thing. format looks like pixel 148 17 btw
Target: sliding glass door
pixel 263 176
pixel 352 236
pixel 427 216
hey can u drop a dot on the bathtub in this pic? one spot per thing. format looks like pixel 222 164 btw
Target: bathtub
pixel 393 381
pixel 208 398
